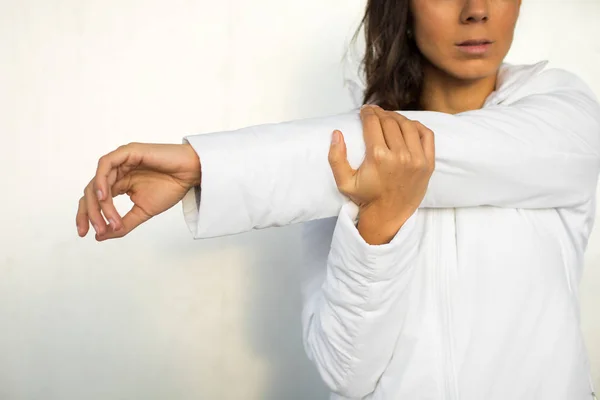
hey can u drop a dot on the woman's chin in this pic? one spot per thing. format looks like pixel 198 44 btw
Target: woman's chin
pixel 473 70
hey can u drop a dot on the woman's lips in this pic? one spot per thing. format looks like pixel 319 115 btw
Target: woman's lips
pixel 476 47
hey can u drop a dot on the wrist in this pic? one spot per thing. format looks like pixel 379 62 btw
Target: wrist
pixel 195 165
pixel 378 226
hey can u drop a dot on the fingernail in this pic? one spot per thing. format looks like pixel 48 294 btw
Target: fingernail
pixel 335 137
pixel 99 194
pixel 114 225
pixel 95 227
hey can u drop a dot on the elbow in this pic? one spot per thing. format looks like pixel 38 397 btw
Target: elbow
pixel 351 390
pixel 338 370
pixel 345 383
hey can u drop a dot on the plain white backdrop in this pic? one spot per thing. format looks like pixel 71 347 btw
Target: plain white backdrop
pixel 157 315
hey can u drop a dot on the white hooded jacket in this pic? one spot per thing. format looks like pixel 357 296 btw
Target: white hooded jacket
pixel 476 297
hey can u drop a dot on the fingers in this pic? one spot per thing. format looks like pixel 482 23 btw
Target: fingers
pixel 372 130
pixel 97 203
pixel 428 140
pixel 123 159
pixel 81 219
pixel 412 139
pixel 338 160
pixel 134 218
pixel 412 133
pixel 92 207
pixel 107 206
pixel 95 211
pixel 391 129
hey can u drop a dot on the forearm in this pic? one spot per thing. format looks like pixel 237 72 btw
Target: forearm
pixel 347 330
pixel 377 226
pixel 540 152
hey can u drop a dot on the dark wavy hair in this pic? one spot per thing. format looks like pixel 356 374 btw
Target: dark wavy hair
pixel 392 62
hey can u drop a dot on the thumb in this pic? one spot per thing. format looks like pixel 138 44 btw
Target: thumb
pixel 134 218
pixel 338 160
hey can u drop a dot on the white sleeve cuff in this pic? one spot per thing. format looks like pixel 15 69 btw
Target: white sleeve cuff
pixel 374 262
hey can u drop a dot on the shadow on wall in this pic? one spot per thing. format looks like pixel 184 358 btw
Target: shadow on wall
pixel 273 314
pixel 265 306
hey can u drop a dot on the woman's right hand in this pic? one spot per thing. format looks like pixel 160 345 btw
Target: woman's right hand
pixel 154 176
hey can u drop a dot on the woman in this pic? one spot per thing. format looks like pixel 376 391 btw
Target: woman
pixel 452 268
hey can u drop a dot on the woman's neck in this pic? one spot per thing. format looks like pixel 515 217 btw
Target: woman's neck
pixel 446 94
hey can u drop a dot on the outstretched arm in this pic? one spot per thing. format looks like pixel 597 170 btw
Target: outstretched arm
pixel 540 149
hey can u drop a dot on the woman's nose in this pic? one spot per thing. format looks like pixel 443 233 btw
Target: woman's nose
pixel 475 11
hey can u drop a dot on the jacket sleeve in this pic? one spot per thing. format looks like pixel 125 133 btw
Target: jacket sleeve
pixel 350 291
pixel 539 149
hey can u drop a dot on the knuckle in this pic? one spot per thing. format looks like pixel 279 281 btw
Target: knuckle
pixel 93 193
pixel 388 119
pixel 400 118
pixel 378 154
pixel 407 124
pixel 425 130
pixel 419 165
pixel 128 147
pixel 428 166
pixel 103 160
pixel 389 123
pixel 404 158
pixel 371 118
pixel 332 158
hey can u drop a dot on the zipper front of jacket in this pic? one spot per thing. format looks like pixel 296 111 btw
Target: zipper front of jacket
pixel 443 258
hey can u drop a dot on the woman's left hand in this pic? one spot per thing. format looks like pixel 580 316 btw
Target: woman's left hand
pixel 392 180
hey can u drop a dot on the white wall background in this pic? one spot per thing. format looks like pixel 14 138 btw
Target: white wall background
pixel 157 315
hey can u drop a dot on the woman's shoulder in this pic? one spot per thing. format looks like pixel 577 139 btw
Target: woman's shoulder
pixel 516 81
